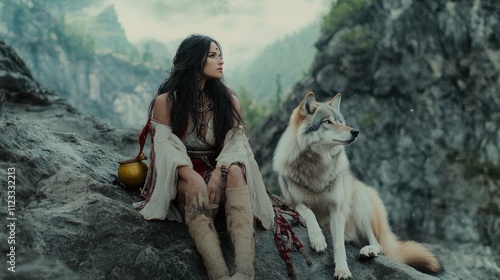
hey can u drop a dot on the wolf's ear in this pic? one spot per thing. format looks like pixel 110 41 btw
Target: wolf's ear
pixel 335 101
pixel 308 105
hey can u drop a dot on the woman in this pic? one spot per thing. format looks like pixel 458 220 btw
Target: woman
pixel 201 158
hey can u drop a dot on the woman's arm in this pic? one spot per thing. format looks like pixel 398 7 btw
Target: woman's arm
pixel 215 187
pixel 188 177
pixel 237 107
pixel 161 112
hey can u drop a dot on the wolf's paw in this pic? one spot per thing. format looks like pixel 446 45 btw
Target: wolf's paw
pixel 369 251
pixel 318 242
pixel 342 274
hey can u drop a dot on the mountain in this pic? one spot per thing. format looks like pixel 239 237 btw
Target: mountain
pixel 420 81
pixel 108 33
pixel 85 69
pixel 154 51
pixel 283 62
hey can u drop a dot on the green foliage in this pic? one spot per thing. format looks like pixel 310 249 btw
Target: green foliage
pixel 21 14
pixel 147 55
pixel 491 208
pixel 290 57
pixel 274 72
pixel 358 37
pixel 370 118
pixel 473 166
pixel 488 170
pixel 341 14
pixel 134 55
pixel 278 91
pixel 251 110
pixel 77 43
pixel 275 189
pixel 35 22
pixel 121 50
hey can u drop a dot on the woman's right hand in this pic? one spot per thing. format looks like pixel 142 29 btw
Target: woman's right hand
pixel 195 188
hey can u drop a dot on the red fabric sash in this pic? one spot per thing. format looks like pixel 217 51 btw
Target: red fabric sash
pixel 148 129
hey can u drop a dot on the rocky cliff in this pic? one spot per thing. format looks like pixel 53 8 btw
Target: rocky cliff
pixel 108 32
pixel 87 70
pixel 420 80
pixel 67 220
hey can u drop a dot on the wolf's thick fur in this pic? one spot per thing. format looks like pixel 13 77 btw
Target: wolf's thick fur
pixel 315 179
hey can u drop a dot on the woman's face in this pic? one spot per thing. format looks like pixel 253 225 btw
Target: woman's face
pixel 213 65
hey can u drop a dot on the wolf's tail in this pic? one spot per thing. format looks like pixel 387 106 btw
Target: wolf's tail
pixel 409 252
pixel 418 256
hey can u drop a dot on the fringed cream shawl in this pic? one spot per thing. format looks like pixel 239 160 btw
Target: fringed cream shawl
pixel 169 153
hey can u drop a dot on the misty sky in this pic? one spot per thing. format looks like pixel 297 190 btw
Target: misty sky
pixel 243 27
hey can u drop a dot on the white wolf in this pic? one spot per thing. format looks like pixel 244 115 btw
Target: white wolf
pixel 315 179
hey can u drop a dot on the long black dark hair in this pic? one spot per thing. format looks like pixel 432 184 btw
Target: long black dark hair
pixel 183 83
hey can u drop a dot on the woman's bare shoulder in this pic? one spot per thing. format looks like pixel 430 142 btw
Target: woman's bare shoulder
pixel 162 108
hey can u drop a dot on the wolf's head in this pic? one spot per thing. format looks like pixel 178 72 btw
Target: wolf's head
pixel 321 126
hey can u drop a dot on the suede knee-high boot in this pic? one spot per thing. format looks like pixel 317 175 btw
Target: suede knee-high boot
pixel 239 216
pixel 202 230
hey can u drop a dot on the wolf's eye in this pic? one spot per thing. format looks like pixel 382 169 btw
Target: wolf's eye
pixel 327 121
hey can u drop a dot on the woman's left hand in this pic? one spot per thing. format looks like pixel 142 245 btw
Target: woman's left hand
pixel 215 188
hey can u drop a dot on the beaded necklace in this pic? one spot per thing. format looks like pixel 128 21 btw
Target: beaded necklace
pixel 203 107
